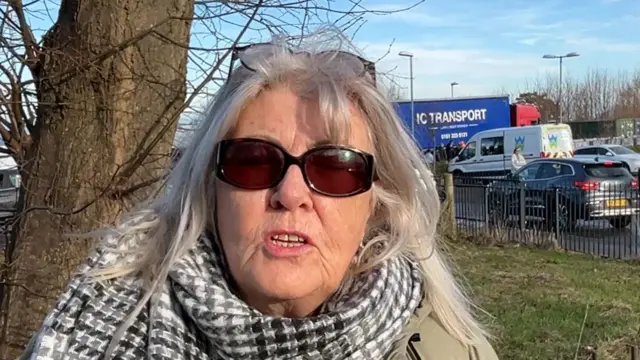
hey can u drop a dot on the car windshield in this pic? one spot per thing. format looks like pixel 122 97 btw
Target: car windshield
pixel 621 150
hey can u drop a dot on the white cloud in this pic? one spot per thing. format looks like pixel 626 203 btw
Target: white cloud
pixel 599 44
pixel 522 18
pixel 479 72
pixel 417 15
pixel 529 41
pixel 551 23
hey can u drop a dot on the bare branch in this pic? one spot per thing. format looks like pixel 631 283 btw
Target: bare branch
pixel 119 194
pixel 29 41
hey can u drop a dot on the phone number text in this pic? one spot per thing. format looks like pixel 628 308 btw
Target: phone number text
pixel 454 136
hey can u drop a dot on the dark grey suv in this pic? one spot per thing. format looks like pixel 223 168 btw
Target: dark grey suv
pixel 9 187
pixel 561 191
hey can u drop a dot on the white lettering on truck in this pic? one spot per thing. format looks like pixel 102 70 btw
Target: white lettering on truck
pixel 451 116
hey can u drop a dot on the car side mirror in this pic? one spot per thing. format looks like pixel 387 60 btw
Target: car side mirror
pixel 609 153
pixel 515 178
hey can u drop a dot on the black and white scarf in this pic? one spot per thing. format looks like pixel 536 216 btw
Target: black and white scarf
pixel 196 316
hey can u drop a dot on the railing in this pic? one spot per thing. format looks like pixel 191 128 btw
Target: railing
pixel 599 218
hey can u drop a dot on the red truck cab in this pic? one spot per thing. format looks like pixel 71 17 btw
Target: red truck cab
pixel 523 114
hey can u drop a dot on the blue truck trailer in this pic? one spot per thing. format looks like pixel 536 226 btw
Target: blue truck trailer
pixel 440 121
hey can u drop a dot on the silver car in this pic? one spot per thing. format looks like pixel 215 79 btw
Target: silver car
pixel 623 154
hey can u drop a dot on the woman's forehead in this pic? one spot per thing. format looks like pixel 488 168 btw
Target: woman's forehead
pixel 279 114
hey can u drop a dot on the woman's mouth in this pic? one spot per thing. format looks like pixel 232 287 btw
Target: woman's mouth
pixel 287 243
pixel 287 240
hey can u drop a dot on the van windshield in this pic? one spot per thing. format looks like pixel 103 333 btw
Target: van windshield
pixel 468 152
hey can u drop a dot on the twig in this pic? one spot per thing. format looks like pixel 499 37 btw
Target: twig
pixel 27 289
pixel 584 321
pixel 117 194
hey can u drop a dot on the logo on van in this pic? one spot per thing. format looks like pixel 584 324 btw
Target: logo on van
pixel 519 142
pixel 553 141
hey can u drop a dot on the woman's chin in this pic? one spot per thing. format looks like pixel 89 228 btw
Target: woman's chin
pixel 286 285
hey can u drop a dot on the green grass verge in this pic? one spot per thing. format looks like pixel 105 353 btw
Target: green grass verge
pixel 538 300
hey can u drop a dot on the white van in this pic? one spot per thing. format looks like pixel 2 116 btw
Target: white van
pixel 489 152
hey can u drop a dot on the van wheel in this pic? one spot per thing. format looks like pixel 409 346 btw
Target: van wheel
pixel 457 176
pixel 620 222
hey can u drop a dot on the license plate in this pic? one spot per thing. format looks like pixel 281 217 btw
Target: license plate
pixel 616 203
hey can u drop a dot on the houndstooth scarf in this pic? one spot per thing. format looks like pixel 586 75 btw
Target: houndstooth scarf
pixel 197 316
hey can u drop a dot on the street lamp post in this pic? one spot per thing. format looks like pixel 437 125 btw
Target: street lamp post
pixel 560 58
pixel 452 85
pixel 413 119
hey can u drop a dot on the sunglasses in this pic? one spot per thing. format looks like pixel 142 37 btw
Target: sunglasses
pixel 349 64
pixel 331 170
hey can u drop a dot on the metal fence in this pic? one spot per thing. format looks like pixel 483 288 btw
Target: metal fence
pixel 596 218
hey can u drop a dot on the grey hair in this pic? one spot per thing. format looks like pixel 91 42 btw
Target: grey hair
pixel 406 203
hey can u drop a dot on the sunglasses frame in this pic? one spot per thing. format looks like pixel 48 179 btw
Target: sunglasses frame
pixel 300 161
pixel 236 54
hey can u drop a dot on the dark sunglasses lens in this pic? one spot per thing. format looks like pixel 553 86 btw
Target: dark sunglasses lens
pixel 252 165
pixel 337 171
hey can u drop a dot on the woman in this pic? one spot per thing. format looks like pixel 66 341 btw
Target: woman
pixel 292 229
pixel 517 160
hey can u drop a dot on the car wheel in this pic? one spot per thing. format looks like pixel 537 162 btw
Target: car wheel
pixel 620 222
pixel 496 212
pixel 566 220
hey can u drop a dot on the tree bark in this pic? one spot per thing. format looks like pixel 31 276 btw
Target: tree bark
pixel 103 89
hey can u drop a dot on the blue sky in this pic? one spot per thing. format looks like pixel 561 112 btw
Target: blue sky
pixel 486 45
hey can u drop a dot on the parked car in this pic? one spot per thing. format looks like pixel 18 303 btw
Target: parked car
pixel 9 186
pixel 571 189
pixel 628 157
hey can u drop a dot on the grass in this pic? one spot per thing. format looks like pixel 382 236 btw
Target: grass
pixel 538 301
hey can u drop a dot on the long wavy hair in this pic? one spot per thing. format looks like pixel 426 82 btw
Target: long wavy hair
pixel 406 203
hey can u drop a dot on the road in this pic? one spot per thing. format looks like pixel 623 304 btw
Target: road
pixel 594 237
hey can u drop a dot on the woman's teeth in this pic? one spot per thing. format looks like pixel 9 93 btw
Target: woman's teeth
pixel 287 240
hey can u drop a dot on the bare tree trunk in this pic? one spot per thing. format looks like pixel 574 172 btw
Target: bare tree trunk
pixel 107 86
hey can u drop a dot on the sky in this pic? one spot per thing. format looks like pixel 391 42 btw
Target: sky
pixel 489 46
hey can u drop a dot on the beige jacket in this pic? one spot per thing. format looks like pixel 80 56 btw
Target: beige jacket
pixel 425 338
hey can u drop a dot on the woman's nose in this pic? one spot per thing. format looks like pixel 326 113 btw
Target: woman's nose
pixel 292 192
